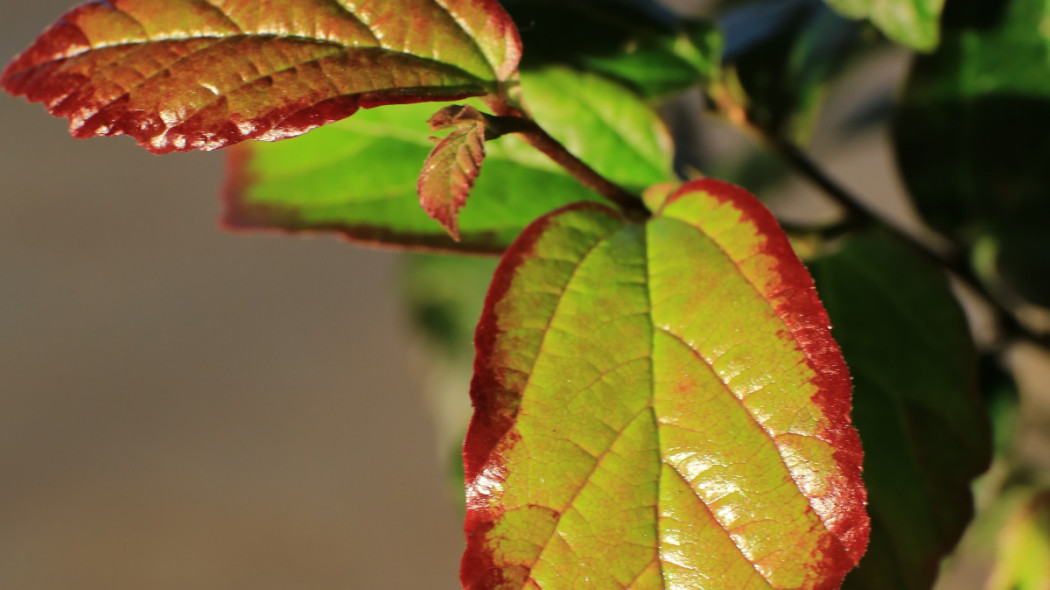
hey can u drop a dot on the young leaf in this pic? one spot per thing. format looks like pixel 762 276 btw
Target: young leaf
pixel 660 406
pixel 331 179
pixel 451 169
pixel 197 74
pixel 915 23
pixel 916 405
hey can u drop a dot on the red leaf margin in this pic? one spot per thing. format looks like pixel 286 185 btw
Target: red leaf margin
pixel 802 312
pixel 37 73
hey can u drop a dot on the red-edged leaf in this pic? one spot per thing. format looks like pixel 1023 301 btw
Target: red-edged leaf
pixel 203 74
pixel 660 406
pixel 453 166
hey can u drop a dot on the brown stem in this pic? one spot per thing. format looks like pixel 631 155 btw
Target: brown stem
pixel 631 205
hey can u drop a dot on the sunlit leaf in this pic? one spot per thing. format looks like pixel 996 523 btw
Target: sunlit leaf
pixel 358 177
pixel 914 23
pixel 196 74
pixel 660 406
pixel 915 403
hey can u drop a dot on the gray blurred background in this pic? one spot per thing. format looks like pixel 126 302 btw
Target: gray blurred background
pixel 185 408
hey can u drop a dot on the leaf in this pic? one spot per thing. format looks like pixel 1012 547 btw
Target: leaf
pixel 659 406
pixel 915 403
pixel 639 43
pixel 201 74
pixel 356 177
pixel 451 169
pixel 784 54
pixel 1024 548
pixel 971 135
pixel 914 23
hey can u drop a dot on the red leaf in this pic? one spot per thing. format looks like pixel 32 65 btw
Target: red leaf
pixel 453 166
pixel 196 74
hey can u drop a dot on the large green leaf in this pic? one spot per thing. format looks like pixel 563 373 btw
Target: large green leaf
pixel 972 138
pixel 916 404
pixel 358 177
pixel 914 23
pixel 660 406
pixel 637 42
pixel 201 74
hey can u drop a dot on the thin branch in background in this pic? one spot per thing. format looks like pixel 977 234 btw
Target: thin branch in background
pixel 952 261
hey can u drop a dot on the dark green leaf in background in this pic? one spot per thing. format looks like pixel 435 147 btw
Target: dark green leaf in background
pixel 915 403
pixel 972 135
pixel 784 54
pixel 357 177
pixel 637 42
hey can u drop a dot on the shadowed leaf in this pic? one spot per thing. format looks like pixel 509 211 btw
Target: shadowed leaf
pixel 640 43
pixel 660 406
pixel 203 74
pixel 916 405
pixel 451 169
pixel 971 135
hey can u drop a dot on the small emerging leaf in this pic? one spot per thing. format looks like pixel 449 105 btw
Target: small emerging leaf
pixel 451 169
pixel 660 406
pixel 192 74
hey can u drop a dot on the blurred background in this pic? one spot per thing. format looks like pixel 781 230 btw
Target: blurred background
pixel 186 408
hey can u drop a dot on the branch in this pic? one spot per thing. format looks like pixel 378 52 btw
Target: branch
pixel 952 261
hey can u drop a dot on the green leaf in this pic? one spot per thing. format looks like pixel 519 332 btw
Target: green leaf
pixel 197 74
pixel 914 23
pixel 784 55
pixel 636 42
pixel 357 177
pixel 916 404
pixel 971 135
pixel 660 406
pixel 1024 549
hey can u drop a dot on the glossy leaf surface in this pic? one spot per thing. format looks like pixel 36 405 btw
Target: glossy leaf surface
pixel 199 74
pixel 915 403
pixel 914 23
pixel 971 134
pixel 358 177
pixel 451 169
pixel 660 406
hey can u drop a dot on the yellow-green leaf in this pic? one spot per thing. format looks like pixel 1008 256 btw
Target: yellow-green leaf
pixel 660 405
